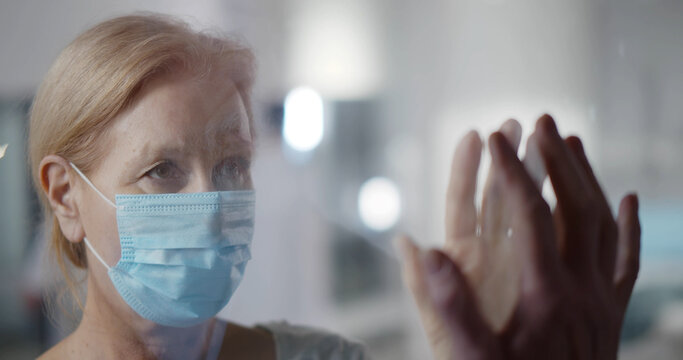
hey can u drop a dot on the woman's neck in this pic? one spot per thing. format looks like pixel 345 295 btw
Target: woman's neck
pixel 106 331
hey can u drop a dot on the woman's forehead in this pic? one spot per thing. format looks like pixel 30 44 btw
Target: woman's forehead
pixel 185 111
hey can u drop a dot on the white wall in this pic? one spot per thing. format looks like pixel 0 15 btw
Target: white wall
pixel 33 32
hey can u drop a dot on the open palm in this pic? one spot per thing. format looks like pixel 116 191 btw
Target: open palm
pixel 519 280
pixel 477 241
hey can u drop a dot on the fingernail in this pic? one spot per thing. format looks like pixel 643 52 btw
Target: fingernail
pixel 548 124
pixel 512 129
pixel 471 134
pixel 471 139
pixel 551 128
pixel 576 142
pixel 496 142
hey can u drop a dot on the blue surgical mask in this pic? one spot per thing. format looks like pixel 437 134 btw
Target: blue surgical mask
pixel 182 255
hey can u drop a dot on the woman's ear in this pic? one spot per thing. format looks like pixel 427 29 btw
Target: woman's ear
pixel 58 183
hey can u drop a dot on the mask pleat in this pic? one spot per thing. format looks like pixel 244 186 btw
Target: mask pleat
pixel 178 229
pixel 197 258
pixel 160 308
pixel 206 285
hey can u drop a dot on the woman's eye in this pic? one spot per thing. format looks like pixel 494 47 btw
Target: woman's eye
pixel 232 174
pixel 163 171
pixel 230 168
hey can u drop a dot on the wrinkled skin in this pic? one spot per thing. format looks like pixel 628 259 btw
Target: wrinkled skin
pixel 520 281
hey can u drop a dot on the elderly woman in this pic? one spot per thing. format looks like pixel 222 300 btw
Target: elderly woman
pixel 140 141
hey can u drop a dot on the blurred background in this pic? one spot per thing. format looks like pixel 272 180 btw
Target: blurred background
pixel 360 104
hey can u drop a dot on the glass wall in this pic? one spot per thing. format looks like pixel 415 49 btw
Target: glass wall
pixel 359 105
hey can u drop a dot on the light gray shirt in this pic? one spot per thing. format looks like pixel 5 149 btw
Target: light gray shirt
pixel 303 342
pixel 296 342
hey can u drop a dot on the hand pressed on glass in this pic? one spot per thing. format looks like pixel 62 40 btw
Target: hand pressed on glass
pixel 565 277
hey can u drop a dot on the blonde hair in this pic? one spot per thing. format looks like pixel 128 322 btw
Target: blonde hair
pixel 98 76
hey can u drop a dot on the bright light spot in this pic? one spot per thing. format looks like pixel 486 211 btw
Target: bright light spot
pixel 303 124
pixel 3 148
pixel 379 203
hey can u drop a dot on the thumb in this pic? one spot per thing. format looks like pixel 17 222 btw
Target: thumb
pixel 455 303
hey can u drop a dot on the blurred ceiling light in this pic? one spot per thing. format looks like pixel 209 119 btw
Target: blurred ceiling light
pixel 303 123
pixel 379 203
pixel 3 149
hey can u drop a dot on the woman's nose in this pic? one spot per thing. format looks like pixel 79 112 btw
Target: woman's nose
pixel 201 182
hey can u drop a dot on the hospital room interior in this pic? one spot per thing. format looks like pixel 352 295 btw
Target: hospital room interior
pixel 358 106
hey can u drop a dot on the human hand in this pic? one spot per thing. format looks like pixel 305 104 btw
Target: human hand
pixel 478 243
pixel 577 266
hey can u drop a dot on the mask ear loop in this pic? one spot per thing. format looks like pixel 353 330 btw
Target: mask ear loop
pixel 92 249
pixel 85 239
pixel 85 178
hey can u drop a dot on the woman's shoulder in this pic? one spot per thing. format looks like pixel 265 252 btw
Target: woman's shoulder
pixel 234 341
pixel 305 342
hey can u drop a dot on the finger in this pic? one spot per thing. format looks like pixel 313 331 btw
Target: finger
pixel 461 213
pixel 531 219
pixel 608 228
pixel 533 162
pixel 575 199
pixel 433 321
pixel 494 225
pixel 512 131
pixel 455 302
pixel 628 249
pixel 412 268
pixel 414 278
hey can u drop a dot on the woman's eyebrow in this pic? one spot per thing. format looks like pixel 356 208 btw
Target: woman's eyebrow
pixel 234 122
pixel 228 139
pixel 151 152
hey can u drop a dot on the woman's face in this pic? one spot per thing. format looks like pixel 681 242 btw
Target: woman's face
pixel 184 134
